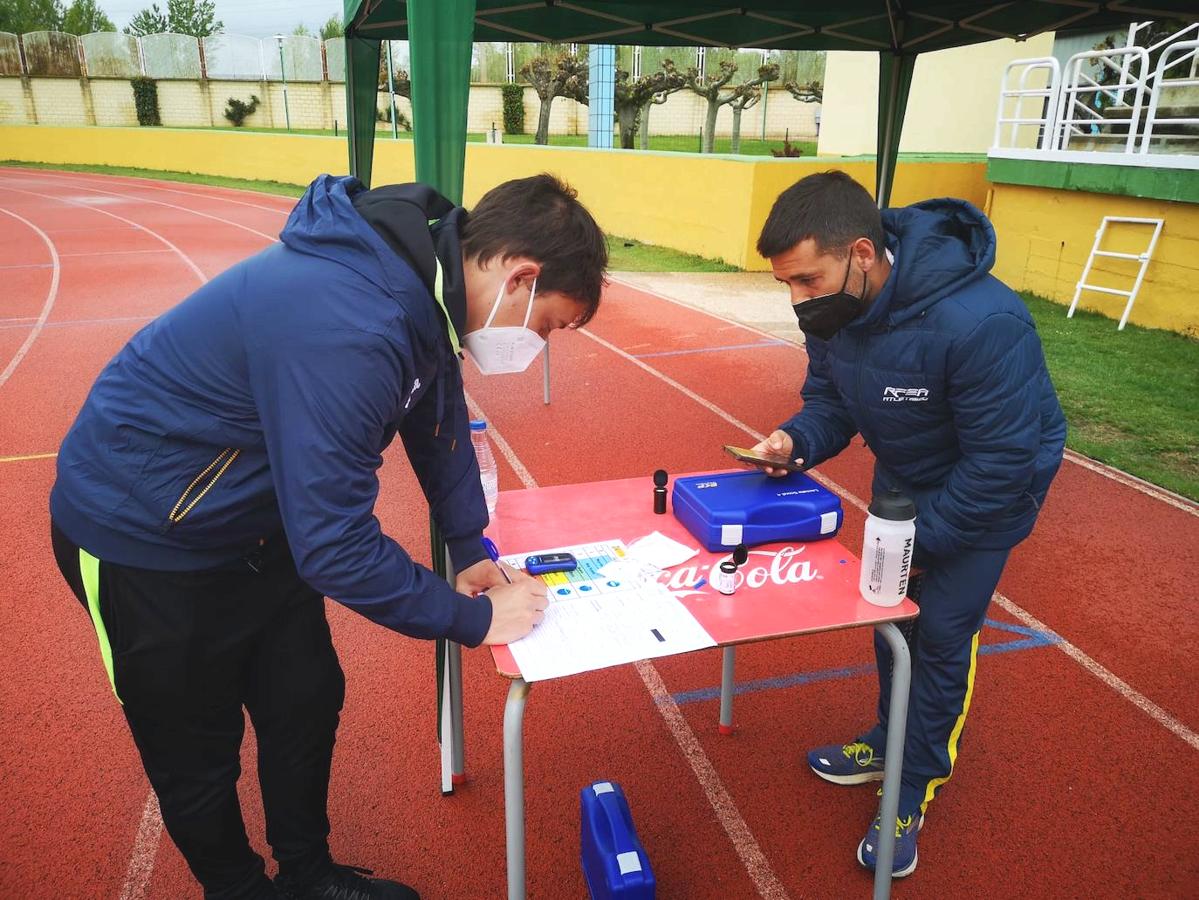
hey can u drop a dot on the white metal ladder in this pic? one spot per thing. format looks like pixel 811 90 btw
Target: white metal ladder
pixel 1143 258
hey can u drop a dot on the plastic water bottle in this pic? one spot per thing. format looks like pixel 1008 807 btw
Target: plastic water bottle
pixel 887 548
pixel 487 470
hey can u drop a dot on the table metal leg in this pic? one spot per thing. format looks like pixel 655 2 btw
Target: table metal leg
pixel 514 786
pixel 726 690
pixel 897 725
pixel 446 734
pixel 457 736
pixel 545 372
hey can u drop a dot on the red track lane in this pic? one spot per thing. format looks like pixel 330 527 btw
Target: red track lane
pixel 1061 780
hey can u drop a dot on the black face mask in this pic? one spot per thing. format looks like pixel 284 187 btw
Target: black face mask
pixel 822 317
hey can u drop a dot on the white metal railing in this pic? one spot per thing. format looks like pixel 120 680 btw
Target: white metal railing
pixel 1075 117
pixel 1047 97
pixel 1185 51
pixel 1190 31
pixel 1134 117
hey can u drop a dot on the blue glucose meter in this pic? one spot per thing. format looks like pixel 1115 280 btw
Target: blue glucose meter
pixel 550 562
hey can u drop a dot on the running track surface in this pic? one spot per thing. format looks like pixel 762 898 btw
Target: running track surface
pixel 1076 773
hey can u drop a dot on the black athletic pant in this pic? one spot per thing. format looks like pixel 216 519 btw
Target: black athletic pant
pixel 189 650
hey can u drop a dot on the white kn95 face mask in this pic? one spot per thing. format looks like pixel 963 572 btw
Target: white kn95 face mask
pixel 507 349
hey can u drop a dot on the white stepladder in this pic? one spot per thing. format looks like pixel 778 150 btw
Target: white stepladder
pixel 1143 258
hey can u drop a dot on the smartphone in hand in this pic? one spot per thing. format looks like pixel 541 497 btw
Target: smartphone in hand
pixel 763 460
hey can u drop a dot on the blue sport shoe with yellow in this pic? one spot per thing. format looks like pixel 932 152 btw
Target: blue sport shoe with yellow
pixel 906 829
pixel 853 763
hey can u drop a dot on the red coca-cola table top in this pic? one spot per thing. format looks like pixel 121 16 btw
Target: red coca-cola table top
pixel 783 590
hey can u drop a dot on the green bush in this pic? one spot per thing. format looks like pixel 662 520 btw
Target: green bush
pixel 402 122
pixel 514 108
pixel 145 98
pixel 237 111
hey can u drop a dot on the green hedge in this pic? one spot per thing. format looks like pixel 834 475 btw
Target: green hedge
pixel 514 108
pixel 145 98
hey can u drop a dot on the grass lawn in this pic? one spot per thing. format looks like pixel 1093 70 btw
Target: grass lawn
pixel 1131 397
pixel 679 143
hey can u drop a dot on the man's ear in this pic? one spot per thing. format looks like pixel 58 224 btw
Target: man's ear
pixel 523 275
pixel 863 253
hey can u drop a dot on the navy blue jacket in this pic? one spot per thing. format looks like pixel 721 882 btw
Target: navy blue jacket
pixel 264 401
pixel 944 377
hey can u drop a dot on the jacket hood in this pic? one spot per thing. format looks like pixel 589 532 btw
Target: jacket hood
pixel 940 246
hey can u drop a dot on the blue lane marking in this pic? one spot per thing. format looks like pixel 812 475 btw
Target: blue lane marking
pixel 710 349
pixel 1031 638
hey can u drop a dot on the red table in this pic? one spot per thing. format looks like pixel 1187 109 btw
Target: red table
pixel 783 590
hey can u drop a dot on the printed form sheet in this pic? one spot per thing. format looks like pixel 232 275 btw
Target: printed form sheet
pixel 595 621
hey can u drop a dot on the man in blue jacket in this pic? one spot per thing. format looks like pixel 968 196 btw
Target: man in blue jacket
pixel 220 480
pixel 937 365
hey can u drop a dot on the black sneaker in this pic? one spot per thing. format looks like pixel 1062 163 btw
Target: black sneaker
pixel 348 883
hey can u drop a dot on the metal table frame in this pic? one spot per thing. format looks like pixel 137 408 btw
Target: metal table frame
pixel 453 756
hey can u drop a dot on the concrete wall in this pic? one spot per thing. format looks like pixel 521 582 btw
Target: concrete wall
pixel 317 105
pixel 710 205
pixel 951 108
pixel 1046 236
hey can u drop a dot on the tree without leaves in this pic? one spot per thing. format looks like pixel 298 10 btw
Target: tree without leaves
pixel 747 95
pixel 812 92
pixel 634 95
pixel 710 87
pixel 333 28
pixel 562 76
pixel 85 17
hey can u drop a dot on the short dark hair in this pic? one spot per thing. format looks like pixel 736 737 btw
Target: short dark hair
pixel 541 217
pixel 830 208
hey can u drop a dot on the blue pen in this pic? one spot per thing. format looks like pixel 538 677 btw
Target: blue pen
pixel 494 552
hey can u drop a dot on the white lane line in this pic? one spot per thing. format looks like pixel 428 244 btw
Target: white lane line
pixel 145 849
pixel 116 179
pixel 1121 687
pixel 148 184
pixel 47 305
pixel 1112 680
pixel 149 832
pixel 1118 475
pixel 154 234
pixel 719 799
pixel 76 186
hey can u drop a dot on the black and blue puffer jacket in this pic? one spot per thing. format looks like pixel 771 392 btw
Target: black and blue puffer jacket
pixel 944 377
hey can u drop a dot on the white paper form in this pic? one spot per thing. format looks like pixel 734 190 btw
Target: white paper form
pixel 587 630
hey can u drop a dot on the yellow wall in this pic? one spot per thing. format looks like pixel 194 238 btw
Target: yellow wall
pixel 1045 236
pixel 713 206
pixel 951 108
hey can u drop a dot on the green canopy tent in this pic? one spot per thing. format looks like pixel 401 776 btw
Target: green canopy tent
pixel 440 33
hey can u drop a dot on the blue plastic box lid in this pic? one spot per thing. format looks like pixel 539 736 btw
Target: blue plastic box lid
pixel 750 508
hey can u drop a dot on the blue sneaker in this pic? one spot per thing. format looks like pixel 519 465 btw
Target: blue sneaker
pixel 854 763
pixel 906 829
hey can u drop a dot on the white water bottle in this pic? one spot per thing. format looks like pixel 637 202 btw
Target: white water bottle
pixel 887 548
pixel 488 472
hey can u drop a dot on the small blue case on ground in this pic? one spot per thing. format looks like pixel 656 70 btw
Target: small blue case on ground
pixel 750 508
pixel 614 862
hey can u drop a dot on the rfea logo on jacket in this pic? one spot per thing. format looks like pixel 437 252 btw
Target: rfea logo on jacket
pixel 901 394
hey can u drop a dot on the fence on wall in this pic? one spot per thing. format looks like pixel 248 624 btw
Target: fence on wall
pixel 302 58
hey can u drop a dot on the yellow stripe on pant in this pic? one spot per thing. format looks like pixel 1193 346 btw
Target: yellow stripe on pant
pixel 89 571
pixel 957 727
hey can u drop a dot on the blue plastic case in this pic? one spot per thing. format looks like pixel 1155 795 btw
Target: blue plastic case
pixel 614 862
pixel 750 508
